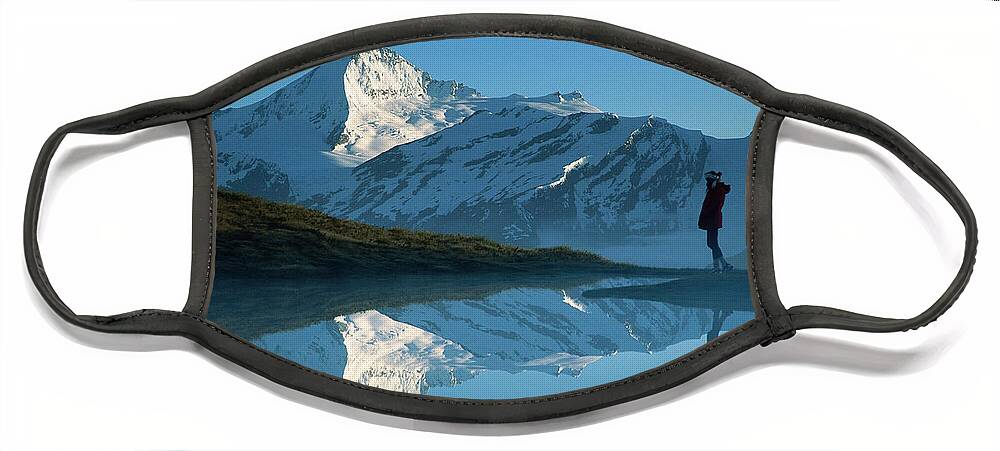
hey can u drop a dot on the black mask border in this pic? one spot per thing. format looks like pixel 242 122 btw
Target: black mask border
pixel 772 322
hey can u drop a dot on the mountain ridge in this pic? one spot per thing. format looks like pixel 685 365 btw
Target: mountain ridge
pixel 373 138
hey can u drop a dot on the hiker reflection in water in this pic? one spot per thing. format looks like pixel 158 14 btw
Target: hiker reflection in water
pixel 710 219
pixel 718 318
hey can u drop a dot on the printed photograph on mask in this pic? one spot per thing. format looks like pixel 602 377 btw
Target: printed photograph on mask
pixel 484 218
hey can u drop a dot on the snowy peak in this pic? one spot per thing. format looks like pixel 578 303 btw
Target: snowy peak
pixel 449 89
pixel 388 354
pixel 510 164
pixel 321 85
pixel 558 97
pixel 381 75
pixel 559 103
pixel 316 98
pixel 521 174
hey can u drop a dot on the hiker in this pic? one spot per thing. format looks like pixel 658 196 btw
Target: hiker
pixel 718 318
pixel 710 219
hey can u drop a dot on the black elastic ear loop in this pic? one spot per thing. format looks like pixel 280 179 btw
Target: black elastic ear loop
pixel 120 122
pixel 852 121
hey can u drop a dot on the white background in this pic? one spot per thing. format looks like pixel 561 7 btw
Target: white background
pixel 853 229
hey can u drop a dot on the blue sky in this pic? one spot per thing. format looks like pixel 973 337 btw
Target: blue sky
pixel 610 80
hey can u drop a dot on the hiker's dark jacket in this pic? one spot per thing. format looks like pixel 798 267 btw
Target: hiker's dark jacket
pixel 711 208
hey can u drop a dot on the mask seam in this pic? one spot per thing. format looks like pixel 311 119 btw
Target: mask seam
pixel 211 218
pixel 828 312
pixel 670 366
pixel 753 222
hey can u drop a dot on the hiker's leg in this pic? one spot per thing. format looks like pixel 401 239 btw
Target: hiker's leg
pixel 722 259
pixel 713 243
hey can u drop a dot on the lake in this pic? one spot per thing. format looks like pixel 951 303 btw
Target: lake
pixel 484 337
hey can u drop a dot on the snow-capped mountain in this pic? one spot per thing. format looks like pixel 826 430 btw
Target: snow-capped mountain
pixel 297 141
pixel 374 138
pixel 446 343
pixel 520 174
pixel 280 146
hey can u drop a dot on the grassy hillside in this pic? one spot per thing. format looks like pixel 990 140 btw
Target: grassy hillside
pixel 259 237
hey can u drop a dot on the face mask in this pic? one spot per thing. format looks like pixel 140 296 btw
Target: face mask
pixel 486 218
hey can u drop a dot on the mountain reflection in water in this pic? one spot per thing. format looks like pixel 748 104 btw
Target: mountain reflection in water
pixel 484 337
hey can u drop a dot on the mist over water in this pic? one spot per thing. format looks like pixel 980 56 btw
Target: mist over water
pixel 674 250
